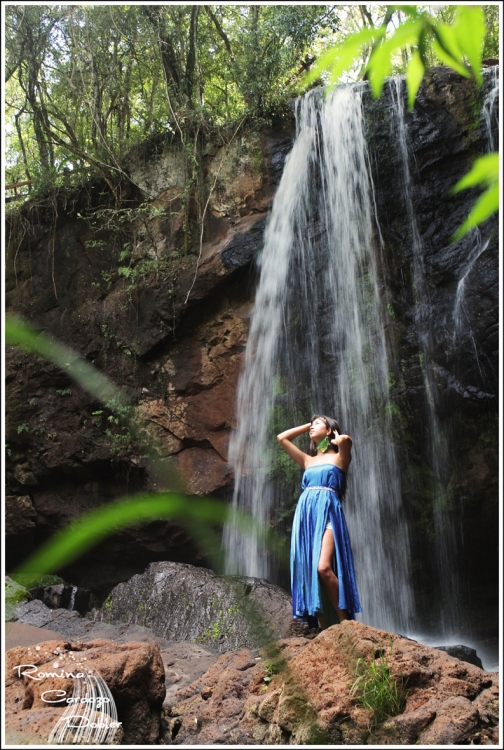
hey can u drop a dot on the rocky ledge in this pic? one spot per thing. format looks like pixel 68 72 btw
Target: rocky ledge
pixel 163 642
pixel 239 702
pixel 187 603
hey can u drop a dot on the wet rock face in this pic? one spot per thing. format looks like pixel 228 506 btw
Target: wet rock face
pixel 185 603
pixel 453 330
pixel 244 700
pixel 171 334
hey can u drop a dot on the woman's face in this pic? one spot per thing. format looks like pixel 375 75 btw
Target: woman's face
pixel 319 430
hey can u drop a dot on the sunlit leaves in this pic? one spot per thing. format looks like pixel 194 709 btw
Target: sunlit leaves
pixel 445 45
pixel 458 45
pixel 414 75
pixel 484 174
pixel 338 59
pixel 380 61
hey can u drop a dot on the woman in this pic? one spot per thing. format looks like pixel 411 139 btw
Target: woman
pixel 320 545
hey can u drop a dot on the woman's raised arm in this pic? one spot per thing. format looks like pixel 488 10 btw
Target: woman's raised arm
pixel 285 439
pixel 344 445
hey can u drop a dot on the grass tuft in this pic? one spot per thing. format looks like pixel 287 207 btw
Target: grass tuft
pixel 377 689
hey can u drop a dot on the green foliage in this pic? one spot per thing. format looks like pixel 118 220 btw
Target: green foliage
pixel 375 687
pixel 272 668
pixel 491 44
pixel 42 581
pixel 485 174
pixel 86 83
pixel 458 44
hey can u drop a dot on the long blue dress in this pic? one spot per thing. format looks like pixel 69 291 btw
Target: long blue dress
pixel 319 503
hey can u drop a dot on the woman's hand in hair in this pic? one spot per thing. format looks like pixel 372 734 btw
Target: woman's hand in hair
pixel 344 445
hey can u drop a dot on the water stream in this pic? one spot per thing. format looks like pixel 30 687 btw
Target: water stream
pixel 444 547
pixel 317 345
pixel 72 599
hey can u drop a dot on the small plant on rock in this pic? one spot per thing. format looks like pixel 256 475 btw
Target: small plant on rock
pixel 377 689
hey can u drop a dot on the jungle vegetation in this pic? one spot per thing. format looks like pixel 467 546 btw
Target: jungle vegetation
pixel 84 84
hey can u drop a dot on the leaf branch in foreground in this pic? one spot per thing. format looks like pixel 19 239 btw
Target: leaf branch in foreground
pixel 485 174
pixel 93 527
pixel 198 514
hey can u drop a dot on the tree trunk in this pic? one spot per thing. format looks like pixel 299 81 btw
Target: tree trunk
pixel 191 55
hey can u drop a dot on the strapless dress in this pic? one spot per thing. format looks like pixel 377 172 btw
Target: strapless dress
pixel 319 504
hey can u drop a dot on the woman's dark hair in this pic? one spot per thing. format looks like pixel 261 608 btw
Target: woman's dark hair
pixel 332 425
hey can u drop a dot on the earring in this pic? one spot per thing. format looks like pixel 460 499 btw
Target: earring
pixel 324 445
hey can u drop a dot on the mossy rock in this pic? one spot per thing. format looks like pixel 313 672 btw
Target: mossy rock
pixel 14 595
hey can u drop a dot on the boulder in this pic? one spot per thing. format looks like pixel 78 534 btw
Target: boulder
pixel 184 603
pixel 14 594
pixel 301 694
pixel 134 673
pixel 464 653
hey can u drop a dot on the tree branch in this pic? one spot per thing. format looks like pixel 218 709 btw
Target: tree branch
pixel 219 28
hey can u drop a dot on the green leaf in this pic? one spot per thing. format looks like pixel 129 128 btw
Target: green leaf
pixel 379 67
pixel 199 514
pixel 470 32
pixel 381 59
pixel 414 75
pixel 486 205
pixel 337 59
pixel 447 36
pixel 406 33
pixel 446 47
pixel 484 172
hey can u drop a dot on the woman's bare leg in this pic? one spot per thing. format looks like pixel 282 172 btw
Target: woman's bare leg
pixel 327 577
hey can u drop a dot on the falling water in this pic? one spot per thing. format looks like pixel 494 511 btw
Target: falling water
pixel 477 249
pixel 489 109
pixel 317 345
pixel 445 546
pixel 489 116
pixel 72 598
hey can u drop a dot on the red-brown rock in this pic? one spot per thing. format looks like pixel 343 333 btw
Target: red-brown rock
pixel 134 673
pixel 310 701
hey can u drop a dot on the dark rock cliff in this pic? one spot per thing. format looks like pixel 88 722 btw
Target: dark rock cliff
pixel 116 292
pixel 443 311
pixel 167 325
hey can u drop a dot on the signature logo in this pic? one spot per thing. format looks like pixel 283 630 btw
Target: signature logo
pixel 90 716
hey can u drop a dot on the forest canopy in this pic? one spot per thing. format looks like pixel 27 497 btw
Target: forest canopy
pixel 84 84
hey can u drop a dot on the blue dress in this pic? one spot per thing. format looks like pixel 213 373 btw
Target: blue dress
pixel 319 503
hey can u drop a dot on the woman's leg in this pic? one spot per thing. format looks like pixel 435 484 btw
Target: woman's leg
pixel 327 577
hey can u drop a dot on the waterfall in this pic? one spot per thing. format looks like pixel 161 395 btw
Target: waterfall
pixel 72 598
pixel 489 115
pixel 317 345
pixel 444 542
pixel 490 111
